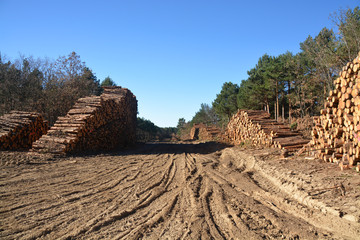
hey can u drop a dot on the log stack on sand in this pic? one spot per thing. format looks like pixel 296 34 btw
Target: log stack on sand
pixel 256 128
pixel 94 123
pixel 336 135
pixel 18 130
pixel 205 133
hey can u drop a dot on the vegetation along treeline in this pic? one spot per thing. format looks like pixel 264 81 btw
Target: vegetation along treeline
pixel 290 85
pixel 148 131
pixel 48 87
pixel 52 87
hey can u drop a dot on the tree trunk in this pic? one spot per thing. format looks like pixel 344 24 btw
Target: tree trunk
pixel 275 111
pixel 289 85
pixel 290 110
pixel 301 103
pixel 277 101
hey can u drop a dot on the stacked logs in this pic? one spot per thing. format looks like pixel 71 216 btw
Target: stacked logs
pixel 94 123
pixel 18 130
pixel 335 136
pixel 256 128
pixel 205 133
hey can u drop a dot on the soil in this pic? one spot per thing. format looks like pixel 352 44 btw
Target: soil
pixel 177 191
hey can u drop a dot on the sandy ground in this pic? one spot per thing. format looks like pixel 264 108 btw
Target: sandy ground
pixel 177 191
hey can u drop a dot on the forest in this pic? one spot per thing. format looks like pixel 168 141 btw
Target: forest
pixel 289 85
pixel 47 87
pixel 52 87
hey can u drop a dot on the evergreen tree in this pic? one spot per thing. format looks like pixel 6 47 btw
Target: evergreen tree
pixel 107 82
pixel 206 114
pixel 255 92
pixel 348 25
pixel 225 104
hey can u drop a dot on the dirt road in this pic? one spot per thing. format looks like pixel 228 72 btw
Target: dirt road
pixel 162 191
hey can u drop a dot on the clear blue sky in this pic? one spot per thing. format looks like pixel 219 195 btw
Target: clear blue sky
pixel 172 54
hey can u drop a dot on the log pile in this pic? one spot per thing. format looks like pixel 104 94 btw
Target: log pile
pixel 94 123
pixel 18 130
pixel 335 136
pixel 303 125
pixel 256 127
pixel 204 133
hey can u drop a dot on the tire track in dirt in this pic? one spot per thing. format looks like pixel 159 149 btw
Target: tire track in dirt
pixel 169 191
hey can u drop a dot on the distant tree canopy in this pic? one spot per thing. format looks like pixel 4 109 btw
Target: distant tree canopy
pixel 291 85
pixel 147 125
pixel 181 123
pixel 50 88
pixel 148 131
pixel 286 85
pixel 348 35
pixel 225 104
pixel 107 82
pixel 206 114
pixel 183 128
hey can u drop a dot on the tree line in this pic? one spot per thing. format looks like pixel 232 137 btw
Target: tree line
pixel 148 131
pixel 44 86
pixel 52 88
pixel 291 85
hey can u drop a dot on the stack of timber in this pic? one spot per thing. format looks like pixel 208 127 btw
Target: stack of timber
pixel 304 125
pixel 335 136
pixel 94 123
pixel 205 133
pixel 18 130
pixel 256 127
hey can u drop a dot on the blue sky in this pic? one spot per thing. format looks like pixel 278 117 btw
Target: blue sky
pixel 173 55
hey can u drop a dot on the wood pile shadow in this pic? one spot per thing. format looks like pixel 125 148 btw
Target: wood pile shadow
pixel 150 148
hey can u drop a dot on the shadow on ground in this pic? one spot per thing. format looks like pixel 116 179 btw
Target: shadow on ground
pixel 152 148
pixel 164 147
pixel 192 147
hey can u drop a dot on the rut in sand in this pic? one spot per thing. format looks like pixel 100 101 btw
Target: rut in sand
pixel 161 191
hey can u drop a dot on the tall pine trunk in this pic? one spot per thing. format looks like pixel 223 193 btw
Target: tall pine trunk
pixel 275 110
pixel 289 101
pixel 277 100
